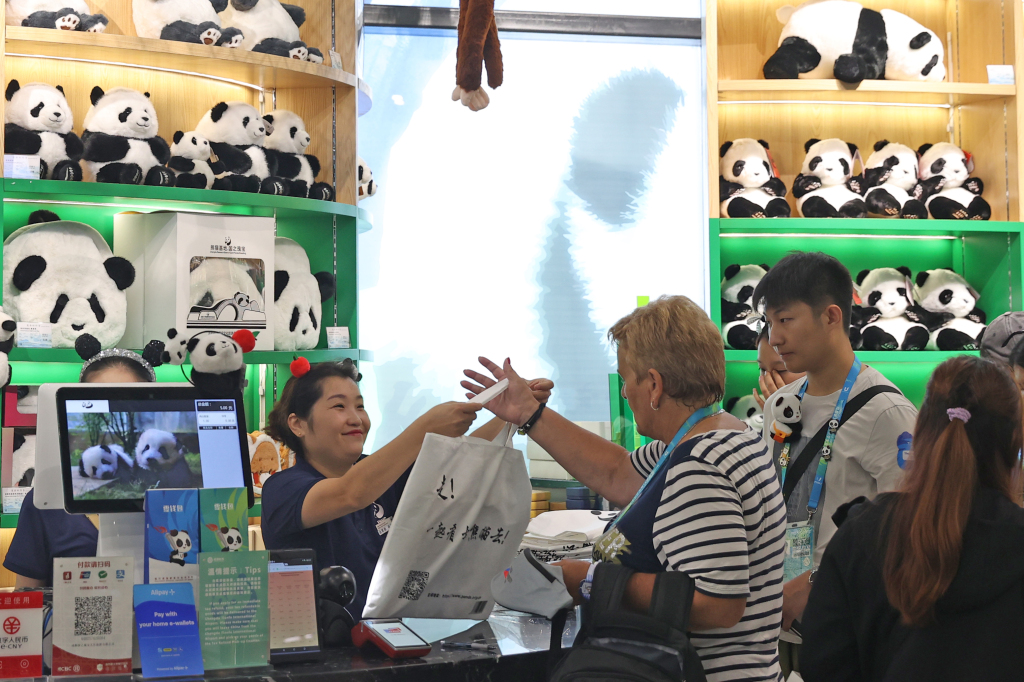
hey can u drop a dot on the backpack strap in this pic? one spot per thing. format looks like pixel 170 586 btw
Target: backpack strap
pixel 672 599
pixel 606 594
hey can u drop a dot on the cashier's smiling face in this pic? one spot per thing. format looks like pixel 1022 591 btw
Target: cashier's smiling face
pixel 338 423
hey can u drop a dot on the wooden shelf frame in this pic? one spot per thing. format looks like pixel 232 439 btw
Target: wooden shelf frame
pixel 885 92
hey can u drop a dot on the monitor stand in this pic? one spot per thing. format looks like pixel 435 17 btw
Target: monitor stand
pixel 124 535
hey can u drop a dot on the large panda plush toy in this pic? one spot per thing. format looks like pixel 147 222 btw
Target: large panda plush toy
pixel 190 160
pixel 748 185
pixel 890 175
pixel 738 286
pixel 947 305
pixel 65 15
pixel 64 273
pixel 267 25
pixel 890 291
pixel 237 133
pixel 844 40
pixel 121 141
pixel 746 409
pixel 186 21
pixel 298 296
pixel 38 120
pixel 950 193
pixel 288 143
pixel 826 186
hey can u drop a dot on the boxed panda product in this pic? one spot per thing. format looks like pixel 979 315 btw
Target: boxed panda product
pixel 18 460
pixel 172 535
pixel 197 272
pixel 223 519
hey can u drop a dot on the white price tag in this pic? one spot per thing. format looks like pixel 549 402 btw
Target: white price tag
pixel 1000 74
pixel 336 61
pixel 34 335
pixel 337 337
pixel 12 499
pixel 21 166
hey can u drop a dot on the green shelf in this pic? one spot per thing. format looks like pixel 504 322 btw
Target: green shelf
pixel 930 357
pixel 554 483
pixel 828 228
pixel 8 520
pixel 253 358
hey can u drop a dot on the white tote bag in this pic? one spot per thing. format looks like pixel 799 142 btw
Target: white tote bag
pixel 460 520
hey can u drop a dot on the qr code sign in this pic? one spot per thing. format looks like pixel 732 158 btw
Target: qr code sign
pixel 92 616
pixel 414 585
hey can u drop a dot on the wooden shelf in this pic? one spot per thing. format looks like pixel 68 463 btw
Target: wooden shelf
pixel 232 65
pixel 871 91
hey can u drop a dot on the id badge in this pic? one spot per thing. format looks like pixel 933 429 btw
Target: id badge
pixel 799 550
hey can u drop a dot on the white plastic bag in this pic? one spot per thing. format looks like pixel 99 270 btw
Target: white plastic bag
pixel 460 520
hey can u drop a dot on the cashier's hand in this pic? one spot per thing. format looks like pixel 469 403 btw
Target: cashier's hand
pixel 517 404
pixel 573 573
pixel 794 599
pixel 450 419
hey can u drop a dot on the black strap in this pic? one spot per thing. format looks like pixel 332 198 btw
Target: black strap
pixel 608 589
pixel 672 599
pixel 810 452
pixel 555 645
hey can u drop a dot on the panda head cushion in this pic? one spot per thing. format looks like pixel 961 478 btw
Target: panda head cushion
pixel 739 282
pixel 103 462
pixel 157 450
pixel 191 146
pixel 887 289
pixel 944 291
pixel 235 123
pixel 831 161
pixel 39 107
pixel 947 160
pixel 215 353
pixel 746 162
pixel 898 160
pixel 915 53
pixel 122 112
pixel 746 409
pixel 289 132
pixel 64 273
pixel 298 295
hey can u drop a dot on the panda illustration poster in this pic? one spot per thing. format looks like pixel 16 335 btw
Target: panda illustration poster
pixel 223 519
pixel 172 535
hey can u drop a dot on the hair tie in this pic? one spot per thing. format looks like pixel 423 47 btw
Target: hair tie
pixel 958 413
pixel 299 366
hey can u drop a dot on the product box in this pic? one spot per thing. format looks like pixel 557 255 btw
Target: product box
pixel 234 618
pixel 17 466
pixel 20 404
pixel 172 535
pixel 223 519
pixel 197 272
pixel 168 630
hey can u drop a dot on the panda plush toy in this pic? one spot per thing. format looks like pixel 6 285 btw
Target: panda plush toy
pixel 218 368
pixel 64 273
pixel 738 286
pixel 23 459
pixel 748 185
pixel 268 25
pixel 950 193
pixel 784 412
pixel 890 291
pixel 237 133
pixel 946 304
pixel 826 186
pixel 38 120
pixel 65 15
pixel 185 21
pixel 746 409
pixel 844 40
pixel 890 174
pixel 282 48
pixel 367 187
pixel 7 328
pixel 298 296
pixel 121 141
pixel 190 159
pixel 288 143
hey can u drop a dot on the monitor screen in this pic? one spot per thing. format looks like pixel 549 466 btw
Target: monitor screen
pixel 116 443
pixel 292 598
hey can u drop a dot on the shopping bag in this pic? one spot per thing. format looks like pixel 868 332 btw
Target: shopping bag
pixel 461 518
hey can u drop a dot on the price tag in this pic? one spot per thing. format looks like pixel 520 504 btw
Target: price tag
pixel 34 335
pixel 338 337
pixel 21 166
pixel 336 61
pixel 1000 74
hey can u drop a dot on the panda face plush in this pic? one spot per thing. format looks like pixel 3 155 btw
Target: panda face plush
pixel 947 160
pixel 102 461
pixel 157 450
pixel 915 52
pixel 289 135
pixel 944 291
pixel 740 281
pixel 215 353
pixel 831 161
pixel 191 146
pixel 887 289
pixel 901 161
pixel 298 296
pixel 745 161
pixel 39 107
pixel 235 123
pixel 122 112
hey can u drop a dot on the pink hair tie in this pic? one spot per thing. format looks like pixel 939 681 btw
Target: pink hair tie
pixel 958 413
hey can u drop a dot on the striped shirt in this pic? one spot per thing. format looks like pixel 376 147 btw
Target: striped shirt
pixel 722 520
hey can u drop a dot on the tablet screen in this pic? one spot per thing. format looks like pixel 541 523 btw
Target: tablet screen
pixel 293 626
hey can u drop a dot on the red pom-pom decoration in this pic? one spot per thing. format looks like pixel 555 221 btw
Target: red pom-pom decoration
pixel 245 339
pixel 299 367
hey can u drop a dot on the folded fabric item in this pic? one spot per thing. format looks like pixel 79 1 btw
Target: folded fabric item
pixel 532 586
pixel 570 525
pixel 584 554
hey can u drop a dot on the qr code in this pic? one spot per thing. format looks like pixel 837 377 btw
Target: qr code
pixel 92 616
pixel 414 585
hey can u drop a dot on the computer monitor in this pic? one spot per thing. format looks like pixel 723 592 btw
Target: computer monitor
pixel 116 442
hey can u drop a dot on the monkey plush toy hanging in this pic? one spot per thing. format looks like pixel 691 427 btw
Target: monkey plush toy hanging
pixel 478 46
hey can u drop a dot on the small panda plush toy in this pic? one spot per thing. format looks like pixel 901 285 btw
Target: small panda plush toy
pixel 288 143
pixel 826 186
pixel 174 350
pixel 364 176
pixel 890 291
pixel 738 284
pixel 186 21
pixel 121 141
pixel 282 48
pixel 218 368
pixel 265 21
pixel 190 159
pixel 748 185
pixel 38 120
pixel 785 416
pixel 298 296
pixel 844 40
pixel 65 15
pixel 105 462
pixel 950 193
pixel 746 409
pixel 237 133
pixel 890 175
pixel 946 304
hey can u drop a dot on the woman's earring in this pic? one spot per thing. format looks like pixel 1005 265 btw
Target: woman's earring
pixel 653 407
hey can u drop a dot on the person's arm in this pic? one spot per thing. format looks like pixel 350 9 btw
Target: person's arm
pixel 599 464
pixel 541 391
pixel 368 479
pixel 882 456
pixel 22 581
pixel 830 651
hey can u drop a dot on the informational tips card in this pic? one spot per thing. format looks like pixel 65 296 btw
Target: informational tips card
pixel 233 612
pixel 21 639
pixel 92 625
pixel 168 630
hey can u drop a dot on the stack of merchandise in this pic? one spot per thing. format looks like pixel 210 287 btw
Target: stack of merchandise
pixel 540 503
pixel 568 534
pixel 581 498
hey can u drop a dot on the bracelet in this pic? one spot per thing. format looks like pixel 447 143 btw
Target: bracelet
pixel 587 583
pixel 525 428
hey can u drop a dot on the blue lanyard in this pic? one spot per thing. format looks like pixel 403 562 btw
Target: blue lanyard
pixel 698 416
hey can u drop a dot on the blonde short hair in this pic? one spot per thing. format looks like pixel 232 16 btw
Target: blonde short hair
pixel 674 336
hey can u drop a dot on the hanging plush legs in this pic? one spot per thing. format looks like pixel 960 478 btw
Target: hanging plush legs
pixel 478 46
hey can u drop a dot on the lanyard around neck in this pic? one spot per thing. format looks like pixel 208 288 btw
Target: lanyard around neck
pixel 825 454
pixel 698 416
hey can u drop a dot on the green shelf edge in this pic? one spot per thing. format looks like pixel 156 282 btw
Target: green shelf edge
pixel 844 227
pixel 134 196
pixel 8 520
pixel 923 357
pixel 554 483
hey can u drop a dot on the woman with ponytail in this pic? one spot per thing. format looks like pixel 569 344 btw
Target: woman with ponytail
pixel 928 583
